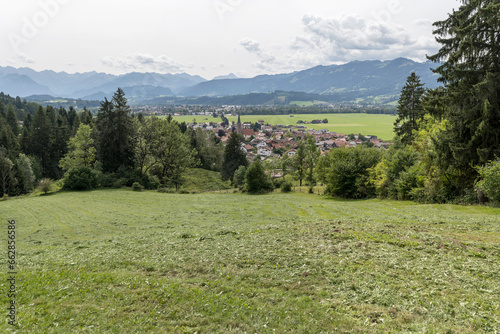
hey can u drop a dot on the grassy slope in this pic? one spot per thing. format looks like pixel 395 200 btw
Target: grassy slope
pixel 366 124
pixel 118 261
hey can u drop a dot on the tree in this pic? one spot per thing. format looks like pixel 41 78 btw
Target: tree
pixel 82 151
pixel 470 70
pixel 11 118
pixel 299 163
pixel 346 171
pixel 234 157
pixel 6 171
pixel 256 179
pixel 24 173
pixel 115 133
pixel 410 109
pixel 39 139
pixel 312 156
pixel 173 153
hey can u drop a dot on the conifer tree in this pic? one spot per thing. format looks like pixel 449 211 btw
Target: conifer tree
pixel 410 109
pixel 470 70
pixel 234 157
pixel 115 133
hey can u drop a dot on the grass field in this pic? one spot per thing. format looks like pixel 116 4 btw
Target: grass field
pixel 118 261
pixel 381 126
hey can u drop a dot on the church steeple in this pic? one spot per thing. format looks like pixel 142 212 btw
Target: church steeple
pixel 238 126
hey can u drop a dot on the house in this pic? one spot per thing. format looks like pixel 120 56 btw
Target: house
pixel 264 152
pixel 291 153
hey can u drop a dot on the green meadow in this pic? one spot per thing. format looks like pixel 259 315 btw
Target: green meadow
pixel 381 126
pixel 118 261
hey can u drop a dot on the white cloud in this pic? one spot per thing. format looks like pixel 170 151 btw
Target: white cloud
pixel 267 61
pixel 144 62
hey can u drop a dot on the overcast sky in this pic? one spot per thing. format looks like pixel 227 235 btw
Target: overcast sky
pixel 214 37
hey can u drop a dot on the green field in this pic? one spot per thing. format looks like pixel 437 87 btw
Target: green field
pixel 381 126
pixel 118 261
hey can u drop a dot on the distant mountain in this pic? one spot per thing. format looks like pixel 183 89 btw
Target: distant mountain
pixel 134 93
pixel 222 77
pixel 16 84
pixel 374 77
pixel 25 82
pixel 369 82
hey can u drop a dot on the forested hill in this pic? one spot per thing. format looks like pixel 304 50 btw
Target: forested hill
pixel 378 78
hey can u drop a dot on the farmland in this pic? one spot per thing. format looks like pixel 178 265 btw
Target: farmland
pixel 366 124
pixel 120 261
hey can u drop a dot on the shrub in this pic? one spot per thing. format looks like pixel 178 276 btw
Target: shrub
pixel 286 187
pixel 136 186
pixel 256 179
pixel 490 183
pixel 80 178
pixel 346 171
pixel 45 185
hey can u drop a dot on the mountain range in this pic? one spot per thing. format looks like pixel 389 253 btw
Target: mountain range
pixel 365 78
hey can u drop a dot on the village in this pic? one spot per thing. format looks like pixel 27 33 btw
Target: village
pixel 273 141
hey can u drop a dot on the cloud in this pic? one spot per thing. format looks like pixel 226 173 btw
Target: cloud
pixel 266 61
pixel 341 39
pixel 352 37
pixel 144 62
pixel 25 58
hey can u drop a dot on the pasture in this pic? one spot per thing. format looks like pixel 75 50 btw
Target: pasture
pixel 118 261
pixel 381 126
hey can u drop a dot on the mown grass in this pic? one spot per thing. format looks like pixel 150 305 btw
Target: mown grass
pixel 118 261
pixel 381 126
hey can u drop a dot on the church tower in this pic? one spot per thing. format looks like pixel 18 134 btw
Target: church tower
pixel 238 126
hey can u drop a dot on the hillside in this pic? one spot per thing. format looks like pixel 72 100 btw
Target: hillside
pixel 128 262
pixel 366 77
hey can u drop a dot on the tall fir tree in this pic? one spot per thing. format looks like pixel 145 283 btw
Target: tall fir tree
pixel 410 109
pixel 39 139
pixel 470 71
pixel 234 157
pixel 115 133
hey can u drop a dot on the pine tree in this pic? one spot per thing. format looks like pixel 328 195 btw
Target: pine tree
pixel 234 157
pixel 410 109
pixel 39 139
pixel 115 133
pixel 470 70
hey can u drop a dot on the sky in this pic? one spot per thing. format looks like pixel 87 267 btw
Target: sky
pixel 214 37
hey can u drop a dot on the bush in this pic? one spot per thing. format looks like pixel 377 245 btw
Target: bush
pixel 80 178
pixel 256 179
pixel 136 186
pixel 45 185
pixel 490 183
pixel 286 187
pixel 346 171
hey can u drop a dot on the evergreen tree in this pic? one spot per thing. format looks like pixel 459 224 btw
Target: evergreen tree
pixel 6 172
pixel 234 157
pixel 60 136
pixel 115 133
pixel 470 70
pixel 39 139
pixel 410 109
pixel 11 119
pixel 8 140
